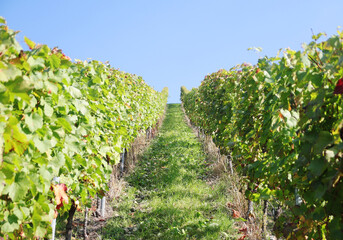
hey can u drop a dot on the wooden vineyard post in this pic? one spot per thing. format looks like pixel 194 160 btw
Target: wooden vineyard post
pixel 230 164
pixel 103 206
pixel 122 162
pixel 85 236
pixel 265 217
pixel 53 223
pixel 250 207
pixel 148 133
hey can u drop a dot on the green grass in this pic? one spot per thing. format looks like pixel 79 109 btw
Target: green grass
pixel 167 195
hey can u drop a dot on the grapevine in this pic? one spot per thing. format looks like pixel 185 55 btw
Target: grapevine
pixel 281 121
pixel 62 119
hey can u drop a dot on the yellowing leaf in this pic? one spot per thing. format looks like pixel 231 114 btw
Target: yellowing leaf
pixel 14 139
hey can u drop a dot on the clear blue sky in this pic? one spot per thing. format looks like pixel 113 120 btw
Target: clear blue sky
pixel 171 42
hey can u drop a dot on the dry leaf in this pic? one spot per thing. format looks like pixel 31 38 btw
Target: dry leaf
pixel 60 194
pixel 242 238
pixel 235 214
pixel 230 205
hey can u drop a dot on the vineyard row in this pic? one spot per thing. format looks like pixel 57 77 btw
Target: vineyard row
pixel 280 123
pixel 62 120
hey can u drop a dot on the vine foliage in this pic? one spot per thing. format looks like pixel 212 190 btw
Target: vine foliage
pixel 281 121
pixel 63 119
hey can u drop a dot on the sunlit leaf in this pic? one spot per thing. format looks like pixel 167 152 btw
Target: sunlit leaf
pixel 34 121
pixel 29 43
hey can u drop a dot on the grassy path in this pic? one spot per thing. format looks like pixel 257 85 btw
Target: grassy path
pixel 167 196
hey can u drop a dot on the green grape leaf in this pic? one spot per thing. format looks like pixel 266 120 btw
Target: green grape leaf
pixel 319 191
pixel 54 61
pixel 324 139
pixel 36 63
pixel 57 162
pixel 18 213
pixel 29 43
pixel 10 72
pixel 43 145
pixel 17 190
pixel 66 63
pixel 19 87
pixel 48 110
pixel 45 174
pixel 74 92
pixel 104 149
pixel 81 106
pixel 317 80
pixel 10 225
pixel 291 117
pixel 81 160
pixel 72 144
pixel 318 166
pixel 33 121
pixel 2 20
pixel 65 124
pixel 69 163
pixel 25 211
pixel 40 231
pixel 14 139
